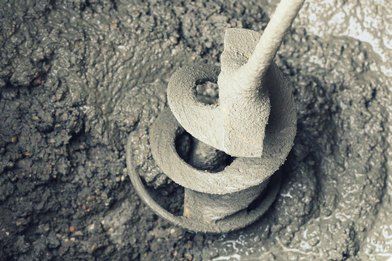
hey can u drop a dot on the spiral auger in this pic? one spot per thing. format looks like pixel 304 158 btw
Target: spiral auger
pixel 254 124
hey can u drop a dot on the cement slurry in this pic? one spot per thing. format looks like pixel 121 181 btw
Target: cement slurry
pixel 77 78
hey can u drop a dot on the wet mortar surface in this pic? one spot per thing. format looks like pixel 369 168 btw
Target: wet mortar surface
pixel 77 78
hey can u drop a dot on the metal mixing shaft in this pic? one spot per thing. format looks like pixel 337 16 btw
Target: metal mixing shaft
pixel 254 125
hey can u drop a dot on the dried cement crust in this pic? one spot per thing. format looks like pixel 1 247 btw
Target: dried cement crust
pixel 242 173
pixel 242 113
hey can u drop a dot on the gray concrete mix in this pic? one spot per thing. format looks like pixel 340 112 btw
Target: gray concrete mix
pixel 76 78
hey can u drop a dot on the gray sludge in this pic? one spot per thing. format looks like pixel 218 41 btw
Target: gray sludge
pixel 77 78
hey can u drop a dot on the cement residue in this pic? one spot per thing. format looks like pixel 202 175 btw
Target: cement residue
pixel 77 78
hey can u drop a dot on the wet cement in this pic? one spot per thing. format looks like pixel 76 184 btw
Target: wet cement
pixel 77 78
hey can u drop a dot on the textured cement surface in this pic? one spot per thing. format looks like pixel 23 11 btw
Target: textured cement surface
pixel 76 78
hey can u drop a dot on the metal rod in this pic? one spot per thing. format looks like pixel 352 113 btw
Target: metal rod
pixel 272 37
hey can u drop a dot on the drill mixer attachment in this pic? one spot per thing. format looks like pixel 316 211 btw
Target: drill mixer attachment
pixel 254 124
